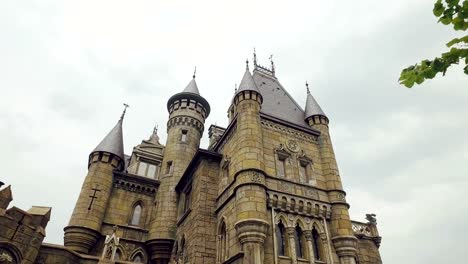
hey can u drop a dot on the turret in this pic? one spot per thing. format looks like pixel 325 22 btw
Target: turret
pixel 83 230
pixel 187 113
pixel 248 164
pixel 342 234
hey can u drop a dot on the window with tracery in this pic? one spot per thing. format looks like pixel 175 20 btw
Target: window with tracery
pixel 300 242
pixel 316 244
pixel 138 258
pixel 281 239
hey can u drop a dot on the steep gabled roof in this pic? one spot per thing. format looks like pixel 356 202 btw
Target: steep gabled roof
pixel 277 102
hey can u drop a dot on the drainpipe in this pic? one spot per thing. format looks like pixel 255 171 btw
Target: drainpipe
pixel 273 227
pixel 330 258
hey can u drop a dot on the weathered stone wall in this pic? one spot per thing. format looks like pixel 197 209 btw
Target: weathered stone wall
pixel 368 252
pixel 198 225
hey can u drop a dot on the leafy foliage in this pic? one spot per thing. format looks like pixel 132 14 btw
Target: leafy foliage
pixel 449 12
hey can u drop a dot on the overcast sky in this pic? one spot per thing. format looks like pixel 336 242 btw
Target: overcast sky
pixel 66 68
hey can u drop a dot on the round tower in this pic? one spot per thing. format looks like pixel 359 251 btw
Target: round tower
pixel 83 230
pixel 247 160
pixel 343 238
pixel 187 113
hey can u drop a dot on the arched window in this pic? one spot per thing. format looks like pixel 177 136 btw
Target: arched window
pixel 316 244
pixel 182 251
pixel 136 216
pixel 222 242
pixel 138 258
pixel 281 239
pixel 118 254
pixel 300 242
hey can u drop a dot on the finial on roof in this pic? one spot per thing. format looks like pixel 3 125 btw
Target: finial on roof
pixel 272 63
pixel 255 57
pixel 247 64
pixel 154 138
pixel 307 85
pixel 194 72
pixel 124 111
pixel 235 88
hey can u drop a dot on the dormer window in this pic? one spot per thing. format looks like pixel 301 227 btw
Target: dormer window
pixel 147 170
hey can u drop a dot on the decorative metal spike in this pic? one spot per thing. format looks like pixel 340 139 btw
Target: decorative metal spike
pixel 124 111
pixel 194 72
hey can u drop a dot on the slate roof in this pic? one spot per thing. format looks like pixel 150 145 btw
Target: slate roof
pixel 113 142
pixel 277 102
pixel 312 107
pixel 247 83
pixel 192 87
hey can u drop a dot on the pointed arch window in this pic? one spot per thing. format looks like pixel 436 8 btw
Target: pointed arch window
pixel 300 242
pixel 138 258
pixel 316 244
pixel 281 239
pixel 222 242
pixel 136 215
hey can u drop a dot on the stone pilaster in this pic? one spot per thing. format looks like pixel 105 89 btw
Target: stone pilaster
pixel 310 245
pixel 290 231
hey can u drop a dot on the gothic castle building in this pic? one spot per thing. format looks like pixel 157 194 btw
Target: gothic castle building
pixel 266 190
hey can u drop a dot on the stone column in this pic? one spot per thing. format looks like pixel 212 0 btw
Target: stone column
pixel 291 231
pixel 252 234
pixel 310 245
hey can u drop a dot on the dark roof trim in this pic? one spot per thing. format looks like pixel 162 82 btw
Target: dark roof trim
pixel 200 155
pixel 226 132
pixel 189 96
pixel 291 125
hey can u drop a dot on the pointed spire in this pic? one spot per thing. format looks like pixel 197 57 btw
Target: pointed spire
pixel 312 107
pixel 154 138
pixel 192 86
pixel 247 83
pixel 113 142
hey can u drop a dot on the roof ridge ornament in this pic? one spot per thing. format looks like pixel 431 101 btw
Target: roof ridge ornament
pixel 263 69
pixel 307 86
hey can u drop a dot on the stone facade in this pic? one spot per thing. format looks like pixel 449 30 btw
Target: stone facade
pixel 267 190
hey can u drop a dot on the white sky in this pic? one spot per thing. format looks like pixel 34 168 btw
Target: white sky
pixel 66 68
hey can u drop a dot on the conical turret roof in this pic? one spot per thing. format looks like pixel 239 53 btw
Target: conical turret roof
pixel 247 83
pixel 113 142
pixel 192 87
pixel 312 107
pixel 190 92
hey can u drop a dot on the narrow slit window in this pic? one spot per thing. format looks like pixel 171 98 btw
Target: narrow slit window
pixel 169 167
pixel 281 167
pixel 183 138
pixel 303 173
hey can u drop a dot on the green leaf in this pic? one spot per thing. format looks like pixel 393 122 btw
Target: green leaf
pixel 438 8
pixel 445 20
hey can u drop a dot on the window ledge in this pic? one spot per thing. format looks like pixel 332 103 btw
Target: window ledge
pixel 184 216
pixel 284 257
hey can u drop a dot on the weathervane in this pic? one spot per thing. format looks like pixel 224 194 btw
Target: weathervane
pixel 194 72
pixel 307 85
